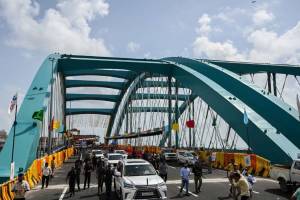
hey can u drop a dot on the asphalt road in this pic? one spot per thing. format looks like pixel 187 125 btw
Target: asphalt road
pixel 215 186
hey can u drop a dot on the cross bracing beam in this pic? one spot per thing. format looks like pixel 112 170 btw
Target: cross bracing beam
pixel 156 131
pixel 149 109
pixel 101 72
pixel 100 97
pixel 106 84
pixel 141 96
pixel 253 68
pixel 79 111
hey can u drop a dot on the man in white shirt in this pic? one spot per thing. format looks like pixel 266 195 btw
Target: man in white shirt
pixel 20 188
pixel 185 174
pixel 46 175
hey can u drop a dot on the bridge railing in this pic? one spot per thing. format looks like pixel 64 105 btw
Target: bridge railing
pixel 34 173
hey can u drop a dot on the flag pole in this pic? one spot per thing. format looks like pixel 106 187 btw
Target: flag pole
pixel 14 135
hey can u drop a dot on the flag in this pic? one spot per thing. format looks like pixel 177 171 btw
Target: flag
pixel 190 123
pixel 246 121
pixel 298 105
pixel 175 126
pixel 13 103
pixel 38 115
pixel 247 160
pixel 12 171
pixel 56 124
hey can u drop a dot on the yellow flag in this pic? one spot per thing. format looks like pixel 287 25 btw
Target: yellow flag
pixel 56 124
pixel 175 126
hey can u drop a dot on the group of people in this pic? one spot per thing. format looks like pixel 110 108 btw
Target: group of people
pixel 104 173
pixel 241 184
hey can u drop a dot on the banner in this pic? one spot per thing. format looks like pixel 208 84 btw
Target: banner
pixel 246 121
pixel 247 160
pixel 12 171
pixel 13 103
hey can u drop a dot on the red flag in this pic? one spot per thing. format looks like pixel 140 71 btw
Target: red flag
pixel 190 123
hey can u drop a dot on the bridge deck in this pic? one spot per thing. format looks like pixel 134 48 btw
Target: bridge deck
pixel 215 186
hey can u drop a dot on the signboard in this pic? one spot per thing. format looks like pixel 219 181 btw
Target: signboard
pixel 213 156
pixel 247 160
pixel 12 171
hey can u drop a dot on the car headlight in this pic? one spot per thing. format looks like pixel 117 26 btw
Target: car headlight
pixel 128 185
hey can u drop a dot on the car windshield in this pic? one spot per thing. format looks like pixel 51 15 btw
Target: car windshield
pixel 115 157
pixel 189 155
pixel 139 170
pixel 121 152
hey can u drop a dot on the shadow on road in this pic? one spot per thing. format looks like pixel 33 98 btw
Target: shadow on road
pixel 279 193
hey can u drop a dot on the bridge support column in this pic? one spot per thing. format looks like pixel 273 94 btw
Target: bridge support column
pixel 269 82
pixel 176 114
pixel 274 84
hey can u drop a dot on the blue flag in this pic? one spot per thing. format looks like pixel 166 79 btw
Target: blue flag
pixel 246 121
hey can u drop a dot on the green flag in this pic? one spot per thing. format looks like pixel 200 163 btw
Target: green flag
pixel 38 115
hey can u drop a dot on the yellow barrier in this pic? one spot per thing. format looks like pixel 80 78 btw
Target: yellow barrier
pixel 34 173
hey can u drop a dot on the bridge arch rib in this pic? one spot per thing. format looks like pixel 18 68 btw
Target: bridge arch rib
pixel 213 81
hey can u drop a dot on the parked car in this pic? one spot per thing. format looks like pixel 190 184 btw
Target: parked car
pixel 185 157
pixel 287 176
pixel 137 179
pixel 123 152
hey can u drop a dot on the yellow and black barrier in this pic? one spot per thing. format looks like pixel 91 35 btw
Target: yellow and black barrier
pixel 34 173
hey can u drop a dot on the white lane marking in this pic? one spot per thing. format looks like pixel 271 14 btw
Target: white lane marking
pixel 189 192
pixel 63 193
pixel 59 186
pixel 172 167
pixel 216 180
pixel 255 192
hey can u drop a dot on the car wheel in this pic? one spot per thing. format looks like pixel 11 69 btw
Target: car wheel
pixel 283 185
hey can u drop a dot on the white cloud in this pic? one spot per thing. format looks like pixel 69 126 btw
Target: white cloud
pixel 262 17
pixel 203 47
pixel 64 29
pixel 133 47
pixel 204 22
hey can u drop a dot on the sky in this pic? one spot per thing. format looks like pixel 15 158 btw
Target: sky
pixel 260 31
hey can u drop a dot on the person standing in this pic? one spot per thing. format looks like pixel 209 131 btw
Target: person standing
pixel 163 170
pixel 87 174
pixel 197 170
pixel 20 188
pixel 46 173
pixel 94 161
pixel 71 177
pixel 78 165
pixel 242 185
pixel 52 166
pixel 185 175
pixel 100 176
pixel 108 179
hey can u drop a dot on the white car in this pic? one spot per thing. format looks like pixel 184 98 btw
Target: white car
pixel 114 158
pixel 185 157
pixel 123 152
pixel 98 153
pixel 170 156
pixel 137 179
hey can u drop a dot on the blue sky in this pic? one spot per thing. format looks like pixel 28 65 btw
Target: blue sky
pixel 265 31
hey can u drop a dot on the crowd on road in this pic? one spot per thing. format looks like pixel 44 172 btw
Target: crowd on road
pixel 241 183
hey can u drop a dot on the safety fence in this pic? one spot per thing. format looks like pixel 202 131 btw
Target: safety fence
pixel 34 173
pixel 255 164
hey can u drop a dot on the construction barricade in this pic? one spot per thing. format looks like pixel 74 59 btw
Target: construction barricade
pixel 34 173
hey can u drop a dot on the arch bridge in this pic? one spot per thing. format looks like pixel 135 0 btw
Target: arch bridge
pixel 149 96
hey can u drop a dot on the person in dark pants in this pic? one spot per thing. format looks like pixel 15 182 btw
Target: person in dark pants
pixel 94 161
pixel 46 175
pixel 71 177
pixel 197 170
pixel 163 170
pixel 78 165
pixel 108 179
pixel 87 174
pixel 100 176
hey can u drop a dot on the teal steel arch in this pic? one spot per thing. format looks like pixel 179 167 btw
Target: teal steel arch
pixel 273 125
